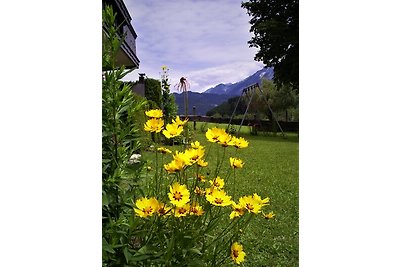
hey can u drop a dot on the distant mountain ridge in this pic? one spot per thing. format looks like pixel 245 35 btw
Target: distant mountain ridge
pixel 202 102
pixel 234 89
pixel 220 93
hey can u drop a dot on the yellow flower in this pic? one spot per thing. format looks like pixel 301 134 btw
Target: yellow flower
pixel 201 178
pixel 154 113
pixel 210 190
pixel 179 195
pixel 202 163
pixel 154 125
pixel 182 211
pixel 146 207
pixel 250 204
pixel 179 162
pixel 194 155
pixel 237 210
pixel 173 166
pixel 260 201
pixel 236 163
pixel 217 182
pixel 163 67
pixel 164 150
pixel 182 158
pixel 237 253
pixel 196 145
pixel 172 130
pixel 198 191
pixel 163 209
pixel 214 133
pixel 239 142
pixel 219 198
pixel 196 209
pixel 179 122
pixel 269 215
pixel 225 140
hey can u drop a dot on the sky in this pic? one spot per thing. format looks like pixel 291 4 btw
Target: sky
pixel 204 41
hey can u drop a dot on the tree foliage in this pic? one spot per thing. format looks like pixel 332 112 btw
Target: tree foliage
pixel 227 107
pixel 275 24
pixel 153 91
pixel 279 100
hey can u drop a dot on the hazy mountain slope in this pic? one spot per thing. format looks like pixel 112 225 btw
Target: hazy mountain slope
pixel 218 94
pixel 236 88
pixel 203 102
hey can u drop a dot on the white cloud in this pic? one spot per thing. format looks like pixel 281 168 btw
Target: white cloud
pixel 205 41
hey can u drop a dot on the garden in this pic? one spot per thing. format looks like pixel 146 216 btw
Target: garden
pixel 176 196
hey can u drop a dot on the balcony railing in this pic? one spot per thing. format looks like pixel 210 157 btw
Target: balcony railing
pixel 127 54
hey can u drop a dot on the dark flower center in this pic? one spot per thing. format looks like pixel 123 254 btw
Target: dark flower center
pixel 148 210
pixel 178 196
pixel 181 210
pixel 218 201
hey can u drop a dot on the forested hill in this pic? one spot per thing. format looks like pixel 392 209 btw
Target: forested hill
pixel 203 102
pixel 215 96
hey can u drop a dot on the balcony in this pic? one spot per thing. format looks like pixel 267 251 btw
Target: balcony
pixel 127 54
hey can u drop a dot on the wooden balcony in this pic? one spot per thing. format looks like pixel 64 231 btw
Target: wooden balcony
pixel 127 54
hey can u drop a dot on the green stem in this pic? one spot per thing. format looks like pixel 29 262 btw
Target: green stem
pixel 220 164
pixel 232 223
pixel 234 183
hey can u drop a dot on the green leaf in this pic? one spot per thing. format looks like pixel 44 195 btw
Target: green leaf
pixel 127 254
pixel 105 200
pixel 107 247
pixel 195 250
pixel 140 257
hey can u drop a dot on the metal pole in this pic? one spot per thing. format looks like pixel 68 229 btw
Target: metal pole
pixel 237 103
pixel 273 114
pixel 245 113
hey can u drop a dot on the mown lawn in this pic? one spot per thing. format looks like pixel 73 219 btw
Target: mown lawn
pixel 271 169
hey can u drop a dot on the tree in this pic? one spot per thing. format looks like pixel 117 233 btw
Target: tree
pixel 279 100
pixel 153 91
pixel 275 24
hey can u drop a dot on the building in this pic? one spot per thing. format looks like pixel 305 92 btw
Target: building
pixel 127 54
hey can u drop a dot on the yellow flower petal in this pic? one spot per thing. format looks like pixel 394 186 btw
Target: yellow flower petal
pixel 146 207
pixel 154 125
pixel 237 253
pixel 236 163
pixel 178 194
pixel 218 198
pixel 154 113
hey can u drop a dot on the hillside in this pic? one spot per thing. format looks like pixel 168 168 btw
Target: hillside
pixel 203 102
pixel 234 89
pixel 220 93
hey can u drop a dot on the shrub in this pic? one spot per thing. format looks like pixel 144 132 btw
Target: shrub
pixel 121 113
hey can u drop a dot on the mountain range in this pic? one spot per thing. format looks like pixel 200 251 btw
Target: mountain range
pixel 220 93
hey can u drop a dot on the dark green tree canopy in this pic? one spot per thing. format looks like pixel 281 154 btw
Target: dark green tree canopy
pixel 153 91
pixel 275 24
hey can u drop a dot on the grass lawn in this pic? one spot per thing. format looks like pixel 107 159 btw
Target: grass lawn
pixel 270 170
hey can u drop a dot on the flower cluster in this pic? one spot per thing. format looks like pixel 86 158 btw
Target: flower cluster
pixel 196 195
pixel 220 136
pixel 156 124
pixel 191 156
